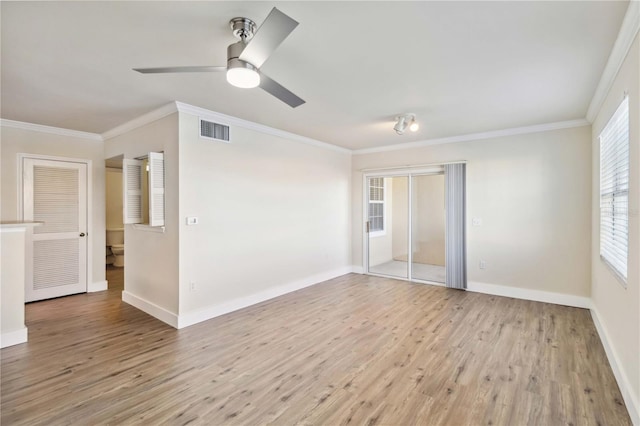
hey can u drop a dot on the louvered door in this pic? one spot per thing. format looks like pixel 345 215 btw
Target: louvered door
pixel 55 193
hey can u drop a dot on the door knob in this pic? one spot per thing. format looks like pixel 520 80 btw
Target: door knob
pixel 82 234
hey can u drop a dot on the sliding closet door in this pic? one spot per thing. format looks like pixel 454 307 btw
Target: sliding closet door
pixel 387 225
pixel 428 228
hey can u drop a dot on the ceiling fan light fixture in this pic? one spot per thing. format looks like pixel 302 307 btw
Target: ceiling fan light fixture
pixel 243 78
pixel 242 74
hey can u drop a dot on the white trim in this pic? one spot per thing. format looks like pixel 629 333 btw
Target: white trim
pixel 217 117
pixel 405 279
pixel 195 317
pixel 90 229
pixel 150 308
pixel 97 286
pixel 16 337
pixel 49 129
pixel 631 401
pixel 626 36
pixel 148 228
pixel 234 121
pixel 144 119
pixel 529 294
pixel 421 168
pixel 13 228
pixel 478 136
pixel 356 269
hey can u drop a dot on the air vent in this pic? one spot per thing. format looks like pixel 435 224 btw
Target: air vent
pixel 216 131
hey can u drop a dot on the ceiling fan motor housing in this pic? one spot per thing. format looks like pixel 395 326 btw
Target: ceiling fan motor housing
pixel 233 53
pixel 243 28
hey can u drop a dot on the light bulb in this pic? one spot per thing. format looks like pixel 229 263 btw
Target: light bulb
pixel 244 78
pixel 414 126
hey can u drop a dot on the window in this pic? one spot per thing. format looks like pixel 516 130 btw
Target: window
pixel 376 206
pixel 614 191
pixel 143 190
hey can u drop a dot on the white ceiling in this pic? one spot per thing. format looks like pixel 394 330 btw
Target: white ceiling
pixel 462 67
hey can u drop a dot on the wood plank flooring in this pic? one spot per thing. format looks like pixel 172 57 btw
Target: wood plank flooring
pixel 353 350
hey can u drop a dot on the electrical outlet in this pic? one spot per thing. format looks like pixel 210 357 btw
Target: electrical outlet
pixel 476 221
pixel 483 264
pixel 192 286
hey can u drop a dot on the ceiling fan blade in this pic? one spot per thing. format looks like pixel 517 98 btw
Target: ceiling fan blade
pixel 276 89
pixel 271 33
pixel 179 69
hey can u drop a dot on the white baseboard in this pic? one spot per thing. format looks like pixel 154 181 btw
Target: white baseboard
pixel 356 269
pixel 151 308
pixel 11 338
pixel 97 286
pixel 630 399
pixel 195 317
pixel 528 294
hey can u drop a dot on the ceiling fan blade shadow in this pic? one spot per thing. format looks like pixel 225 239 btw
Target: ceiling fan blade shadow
pixel 163 70
pixel 276 89
pixel 275 28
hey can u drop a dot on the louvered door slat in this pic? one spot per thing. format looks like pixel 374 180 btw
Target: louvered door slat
pixel 55 263
pixel 55 196
pixel 55 193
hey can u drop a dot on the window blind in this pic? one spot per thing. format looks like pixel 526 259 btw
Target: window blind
pixel 614 191
pixel 376 204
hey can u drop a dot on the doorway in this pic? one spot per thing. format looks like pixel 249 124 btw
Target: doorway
pixel 55 192
pixel 406 225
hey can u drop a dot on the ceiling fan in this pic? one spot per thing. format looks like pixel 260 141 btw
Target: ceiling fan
pixel 245 57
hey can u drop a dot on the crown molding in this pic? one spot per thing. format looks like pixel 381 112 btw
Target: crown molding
pixel 49 129
pixel 239 122
pixel 176 106
pixel 626 36
pixel 478 136
pixel 144 119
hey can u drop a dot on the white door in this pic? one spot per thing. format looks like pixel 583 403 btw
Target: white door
pixel 55 193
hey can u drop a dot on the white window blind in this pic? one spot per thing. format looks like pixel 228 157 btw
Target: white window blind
pixel 614 191
pixel 376 204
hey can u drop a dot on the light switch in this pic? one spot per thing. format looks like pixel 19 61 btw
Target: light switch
pixel 476 221
pixel 192 220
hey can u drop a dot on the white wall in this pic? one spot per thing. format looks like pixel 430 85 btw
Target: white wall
pixel 14 141
pixel 113 181
pixel 532 192
pixel 618 308
pixel 151 258
pixel 271 212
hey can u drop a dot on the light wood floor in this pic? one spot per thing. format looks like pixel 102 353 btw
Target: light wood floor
pixel 354 350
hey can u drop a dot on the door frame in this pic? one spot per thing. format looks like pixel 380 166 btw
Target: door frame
pixel 89 211
pixel 407 172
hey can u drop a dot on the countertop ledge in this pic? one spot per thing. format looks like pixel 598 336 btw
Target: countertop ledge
pixel 16 224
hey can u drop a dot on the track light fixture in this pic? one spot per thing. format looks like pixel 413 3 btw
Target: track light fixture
pixel 404 121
